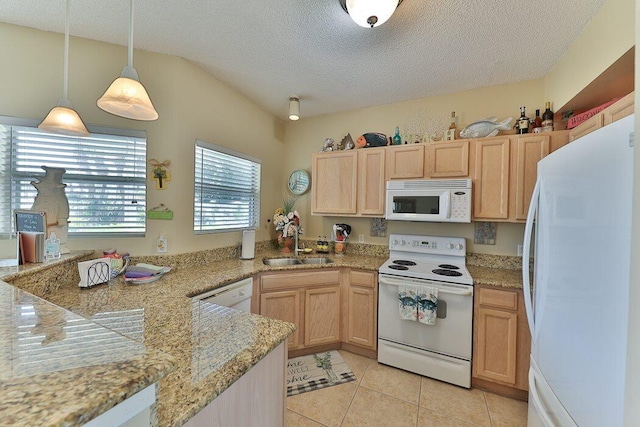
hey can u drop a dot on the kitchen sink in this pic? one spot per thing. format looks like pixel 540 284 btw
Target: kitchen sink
pixel 316 260
pixel 281 262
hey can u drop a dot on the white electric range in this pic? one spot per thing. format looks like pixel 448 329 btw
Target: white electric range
pixel 443 350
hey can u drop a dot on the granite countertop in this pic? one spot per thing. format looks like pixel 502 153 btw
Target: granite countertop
pixel 212 346
pixel 164 318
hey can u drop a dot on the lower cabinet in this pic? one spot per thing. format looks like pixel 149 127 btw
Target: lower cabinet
pixel 501 341
pixel 256 399
pixel 330 307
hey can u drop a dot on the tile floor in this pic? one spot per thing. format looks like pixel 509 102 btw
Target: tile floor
pixel 385 396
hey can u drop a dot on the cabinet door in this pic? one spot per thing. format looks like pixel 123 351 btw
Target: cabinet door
pixel 405 161
pixel 322 316
pixel 495 357
pixel 371 181
pixel 491 179
pixel 529 151
pixel 334 183
pixel 361 318
pixel 284 305
pixel 586 127
pixel 622 108
pixel 448 159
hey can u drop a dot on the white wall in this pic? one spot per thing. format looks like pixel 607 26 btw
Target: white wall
pixel 191 105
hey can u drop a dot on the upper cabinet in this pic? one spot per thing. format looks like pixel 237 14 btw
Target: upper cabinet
pixel 529 150
pixel 405 161
pixel 349 182
pixel 621 108
pixel 447 159
pixel 334 183
pixel 491 179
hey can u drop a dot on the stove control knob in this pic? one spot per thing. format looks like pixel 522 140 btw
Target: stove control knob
pixel 459 246
pixel 449 245
pixel 395 243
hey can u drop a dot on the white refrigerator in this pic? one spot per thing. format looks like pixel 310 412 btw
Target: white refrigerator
pixel 579 305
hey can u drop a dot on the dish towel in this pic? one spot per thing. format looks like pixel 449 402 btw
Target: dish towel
pixel 427 302
pixel 407 302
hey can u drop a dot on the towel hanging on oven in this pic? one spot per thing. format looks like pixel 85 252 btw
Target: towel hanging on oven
pixel 407 299
pixel 427 304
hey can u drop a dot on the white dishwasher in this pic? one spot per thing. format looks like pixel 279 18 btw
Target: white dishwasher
pixel 234 295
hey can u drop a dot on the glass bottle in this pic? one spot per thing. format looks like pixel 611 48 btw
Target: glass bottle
pixel 547 118
pixel 522 125
pixel 451 132
pixel 397 140
pixel 537 123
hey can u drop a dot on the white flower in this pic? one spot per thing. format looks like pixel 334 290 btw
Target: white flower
pixel 290 215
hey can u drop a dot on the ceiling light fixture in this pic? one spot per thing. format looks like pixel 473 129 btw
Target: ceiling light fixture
pixel 126 97
pixel 63 118
pixel 294 108
pixel 370 13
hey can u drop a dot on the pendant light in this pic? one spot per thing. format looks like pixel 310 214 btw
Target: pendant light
pixel 294 108
pixel 370 13
pixel 126 97
pixel 63 118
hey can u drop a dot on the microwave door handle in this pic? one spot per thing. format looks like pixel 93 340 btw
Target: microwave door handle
pixel 447 204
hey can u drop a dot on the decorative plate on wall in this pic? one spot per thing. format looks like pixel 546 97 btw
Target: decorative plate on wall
pixel 299 181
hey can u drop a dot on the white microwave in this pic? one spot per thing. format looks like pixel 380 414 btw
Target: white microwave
pixel 435 200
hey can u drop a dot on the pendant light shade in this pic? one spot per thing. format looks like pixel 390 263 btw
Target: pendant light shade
pixel 127 97
pixel 370 13
pixel 294 108
pixel 63 118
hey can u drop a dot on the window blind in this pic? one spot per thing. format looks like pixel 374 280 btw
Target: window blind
pixel 227 189
pixel 105 177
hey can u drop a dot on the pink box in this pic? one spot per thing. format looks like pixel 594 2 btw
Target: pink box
pixel 577 119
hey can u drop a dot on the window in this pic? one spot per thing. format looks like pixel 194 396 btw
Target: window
pixel 105 176
pixel 227 190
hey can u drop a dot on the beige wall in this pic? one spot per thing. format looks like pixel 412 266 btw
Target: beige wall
pixel 307 135
pixel 191 104
pixel 605 39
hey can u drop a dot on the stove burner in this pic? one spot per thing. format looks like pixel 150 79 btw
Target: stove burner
pixel 403 262
pixel 398 267
pixel 444 272
pixel 449 266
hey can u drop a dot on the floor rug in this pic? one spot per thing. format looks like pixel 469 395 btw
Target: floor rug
pixel 316 371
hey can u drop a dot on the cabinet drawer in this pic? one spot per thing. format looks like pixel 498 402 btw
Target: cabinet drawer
pixel 362 278
pixel 298 279
pixel 498 298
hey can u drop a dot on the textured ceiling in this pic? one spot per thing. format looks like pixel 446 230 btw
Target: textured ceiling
pixel 270 50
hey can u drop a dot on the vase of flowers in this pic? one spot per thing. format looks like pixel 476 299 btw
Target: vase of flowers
pixel 287 223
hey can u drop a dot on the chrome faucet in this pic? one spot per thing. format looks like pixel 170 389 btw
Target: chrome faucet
pixel 295 227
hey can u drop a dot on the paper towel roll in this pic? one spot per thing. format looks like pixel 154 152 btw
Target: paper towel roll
pixel 248 244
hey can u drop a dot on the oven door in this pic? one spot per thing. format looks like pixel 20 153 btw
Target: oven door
pixel 452 333
pixel 418 205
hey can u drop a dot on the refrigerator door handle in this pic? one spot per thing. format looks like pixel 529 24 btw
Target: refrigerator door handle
pixel 537 402
pixel 533 208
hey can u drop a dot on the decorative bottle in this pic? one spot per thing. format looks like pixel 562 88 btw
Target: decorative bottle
pixel 52 247
pixel 547 118
pixel 522 125
pixel 397 140
pixel 451 132
pixel 537 123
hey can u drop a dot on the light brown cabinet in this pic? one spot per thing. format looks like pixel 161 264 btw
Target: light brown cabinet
pixel 371 181
pixel 361 309
pixel 447 159
pixel 331 308
pixel 322 316
pixel 621 108
pixel 349 183
pixel 530 149
pixel 297 297
pixel 491 179
pixel 501 341
pixel 334 183
pixel 405 161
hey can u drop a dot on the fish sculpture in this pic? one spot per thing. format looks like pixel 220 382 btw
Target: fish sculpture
pixel 372 139
pixel 485 128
